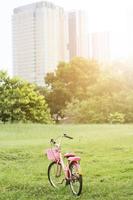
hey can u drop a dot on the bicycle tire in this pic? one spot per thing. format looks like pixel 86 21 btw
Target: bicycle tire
pixel 79 179
pixel 49 174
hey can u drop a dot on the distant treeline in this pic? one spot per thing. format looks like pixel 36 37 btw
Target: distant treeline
pixel 81 91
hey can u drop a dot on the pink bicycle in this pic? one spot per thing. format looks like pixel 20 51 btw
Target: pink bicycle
pixel 59 172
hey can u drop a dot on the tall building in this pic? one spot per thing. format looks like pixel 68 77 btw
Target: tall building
pixel 40 40
pixel 78 36
pixel 99 45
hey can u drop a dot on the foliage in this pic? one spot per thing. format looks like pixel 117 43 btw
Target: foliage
pixel 92 110
pixel 70 80
pixel 82 92
pixel 107 85
pixel 117 108
pixel 116 118
pixel 19 101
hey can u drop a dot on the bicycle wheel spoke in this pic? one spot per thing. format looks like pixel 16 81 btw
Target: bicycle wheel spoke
pixel 55 175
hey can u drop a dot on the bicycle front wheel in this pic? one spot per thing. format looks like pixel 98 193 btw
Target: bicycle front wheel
pixel 76 181
pixel 55 175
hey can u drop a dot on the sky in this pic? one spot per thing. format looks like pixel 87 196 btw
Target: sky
pixel 103 15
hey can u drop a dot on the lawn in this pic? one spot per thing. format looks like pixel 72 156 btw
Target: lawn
pixel 106 158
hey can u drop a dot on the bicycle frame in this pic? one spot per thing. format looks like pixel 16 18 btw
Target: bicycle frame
pixel 71 174
pixel 65 168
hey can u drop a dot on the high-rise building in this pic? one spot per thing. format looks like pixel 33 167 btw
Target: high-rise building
pixel 99 45
pixel 40 40
pixel 78 36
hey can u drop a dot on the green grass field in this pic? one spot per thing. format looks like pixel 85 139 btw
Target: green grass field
pixel 106 158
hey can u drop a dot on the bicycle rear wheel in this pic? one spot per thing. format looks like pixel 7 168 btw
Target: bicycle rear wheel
pixel 76 181
pixel 55 175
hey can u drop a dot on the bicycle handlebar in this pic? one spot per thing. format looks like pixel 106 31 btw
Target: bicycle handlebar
pixel 65 135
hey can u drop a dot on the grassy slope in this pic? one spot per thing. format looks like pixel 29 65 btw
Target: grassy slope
pixel 107 161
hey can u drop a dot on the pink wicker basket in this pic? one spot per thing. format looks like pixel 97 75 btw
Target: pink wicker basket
pixel 53 154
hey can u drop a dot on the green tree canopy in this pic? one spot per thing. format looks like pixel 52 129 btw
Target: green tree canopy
pixel 115 108
pixel 20 101
pixel 70 80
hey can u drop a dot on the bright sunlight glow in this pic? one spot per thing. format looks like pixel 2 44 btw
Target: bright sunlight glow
pixel 115 16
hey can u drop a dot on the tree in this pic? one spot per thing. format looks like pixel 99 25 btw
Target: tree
pixel 92 110
pixel 4 100
pixel 70 80
pixel 19 101
pixel 115 108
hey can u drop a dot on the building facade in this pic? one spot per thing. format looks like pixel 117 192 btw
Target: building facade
pixel 40 40
pixel 99 45
pixel 78 36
